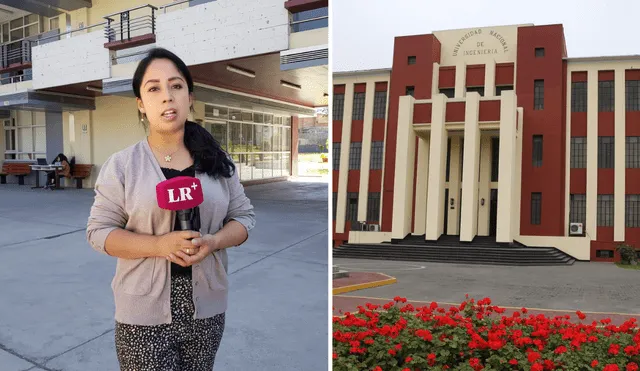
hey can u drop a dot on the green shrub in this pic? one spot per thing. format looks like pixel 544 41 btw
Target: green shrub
pixel 627 254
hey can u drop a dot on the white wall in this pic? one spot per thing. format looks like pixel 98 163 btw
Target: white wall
pixel 224 29
pixel 80 58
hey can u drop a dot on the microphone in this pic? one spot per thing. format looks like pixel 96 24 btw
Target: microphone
pixel 182 194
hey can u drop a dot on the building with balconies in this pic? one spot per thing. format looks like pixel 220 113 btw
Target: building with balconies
pixel 66 69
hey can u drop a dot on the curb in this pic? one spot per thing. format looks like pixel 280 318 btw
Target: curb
pixel 365 285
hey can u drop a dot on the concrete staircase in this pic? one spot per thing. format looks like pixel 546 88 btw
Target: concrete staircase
pixel 449 249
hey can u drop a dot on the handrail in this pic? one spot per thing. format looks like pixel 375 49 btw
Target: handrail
pixel 165 7
pixel 131 10
pixel 309 20
pixel 68 32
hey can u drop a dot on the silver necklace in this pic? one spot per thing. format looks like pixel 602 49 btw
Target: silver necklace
pixel 167 158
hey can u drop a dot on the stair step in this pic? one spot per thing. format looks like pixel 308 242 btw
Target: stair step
pixel 396 256
pixel 461 260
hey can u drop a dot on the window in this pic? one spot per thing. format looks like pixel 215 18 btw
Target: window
pixel 578 209
pixel 500 89
pixel 358 106
pixel 632 153
pixel 578 152
pixel 380 105
pixel 335 204
pixel 354 155
pixel 536 207
pixel 411 59
pixel 310 19
pixel 538 94
pixel 336 156
pixel 377 149
pixel 449 92
pixel 606 94
pixel 606 152
pixel 604 253
pixel 409 90
pixel 632 95
pixel 495 157
pixel 352 208
pixel 54 23
pixel 605 210
pixel 477 89
pixel 632 211
pixel 25 135
pixel 539 52
pixel 579 96
pixel 338 107
pixel 373 207
pixel 537 150
pixel 258 142
pixel 19 28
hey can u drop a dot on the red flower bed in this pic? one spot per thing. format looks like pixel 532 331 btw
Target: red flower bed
pixel 477 336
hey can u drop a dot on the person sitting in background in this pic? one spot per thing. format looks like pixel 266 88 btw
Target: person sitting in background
pixel 64 172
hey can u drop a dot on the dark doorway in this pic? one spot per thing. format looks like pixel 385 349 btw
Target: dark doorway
pixel 493 213
pixel 446 209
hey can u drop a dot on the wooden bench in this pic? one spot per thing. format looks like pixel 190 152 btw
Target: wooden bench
pixel 81 171
pixel 19 169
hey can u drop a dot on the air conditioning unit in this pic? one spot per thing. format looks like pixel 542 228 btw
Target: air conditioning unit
pixel 575 229
pixel 363 226
pixel 374 228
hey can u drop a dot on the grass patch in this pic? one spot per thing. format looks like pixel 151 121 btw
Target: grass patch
pixel 309 157
pixel 623 266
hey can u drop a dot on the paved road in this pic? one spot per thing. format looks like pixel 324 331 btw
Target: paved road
pixel 596 287
pixel 56 304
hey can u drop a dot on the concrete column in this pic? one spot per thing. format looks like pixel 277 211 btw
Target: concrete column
pixel 437 163
pixel 420 217
pixel 363 195
pixel 485 185
pixel 435 78
pixel 453 228
pixel 592 153
pixel 620 166
pixel 517 184
pixel 341 204
pixel 506 171
pixel 470 167
pixel 490 78
pixel 405 157
pixel 461 80
pixel 54 141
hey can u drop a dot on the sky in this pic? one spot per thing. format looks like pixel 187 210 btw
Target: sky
pixel 362 31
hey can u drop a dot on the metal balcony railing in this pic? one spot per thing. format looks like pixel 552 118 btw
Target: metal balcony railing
pixel 123 25
pixel 15 54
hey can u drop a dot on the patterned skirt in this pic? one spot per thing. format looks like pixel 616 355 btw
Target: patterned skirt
pixel 184 344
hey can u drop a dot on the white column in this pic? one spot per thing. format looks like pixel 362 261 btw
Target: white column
pixel 490 78
pixel 517 182
pixel 363 191
pixel 453 228
pixel 343 174
pixel 437 163
pixel 405 157
pixel 420 217
pixel 471 162
pixel 485 185
pixel 592 154
pixel 620 166
pixel 461 80
pixel 435 79
pixel 507 163
pixel 567 162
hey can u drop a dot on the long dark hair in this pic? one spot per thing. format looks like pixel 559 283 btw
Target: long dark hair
pixel 207 154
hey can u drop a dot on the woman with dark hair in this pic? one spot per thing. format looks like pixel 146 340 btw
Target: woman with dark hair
pixel 170 286
pixel 64 172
